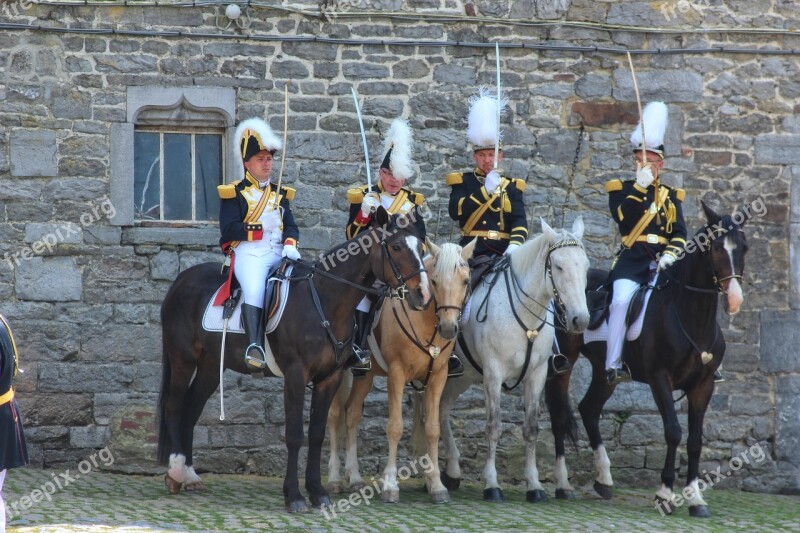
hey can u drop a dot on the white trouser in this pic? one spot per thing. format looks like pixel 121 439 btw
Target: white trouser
pixel 624 290
pixel 251 270
pixel 2 503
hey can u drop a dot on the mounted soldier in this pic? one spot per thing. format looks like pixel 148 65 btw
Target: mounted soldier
pixel 391 193
pixel 650 219
pixel 13 447
pixel 257 227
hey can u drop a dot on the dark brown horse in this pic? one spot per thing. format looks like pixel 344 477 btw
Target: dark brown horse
pixel 680 348
pixel 310 345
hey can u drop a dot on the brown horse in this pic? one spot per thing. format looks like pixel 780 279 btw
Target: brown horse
pixel 310 345
pixel 415 346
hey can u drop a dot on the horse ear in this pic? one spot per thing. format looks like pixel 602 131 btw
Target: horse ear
pixel 548 231
pixel 432 248
pixel 381 216
pixel 466 251
pixel 577 228
pixel 711 216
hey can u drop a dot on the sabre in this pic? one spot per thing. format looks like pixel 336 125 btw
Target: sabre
pixel 497 140
pixel 363 139
pixel 285 137
pixel 638 104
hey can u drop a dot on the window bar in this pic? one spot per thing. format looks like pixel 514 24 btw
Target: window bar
pixel 161 177
pixel 193 155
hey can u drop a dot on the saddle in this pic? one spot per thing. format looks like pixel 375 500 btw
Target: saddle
pixel 599 299
pixel 479 266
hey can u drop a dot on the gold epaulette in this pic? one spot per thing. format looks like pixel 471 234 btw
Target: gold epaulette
pixel 418 198
pixel 680 194
pixel 227 191
pixel 519 184
pixel 613 185
pixel 454 178
pixel 289 193
pixel 355 196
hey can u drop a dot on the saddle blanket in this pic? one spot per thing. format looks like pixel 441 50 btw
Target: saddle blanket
pixel 212 320
pixel 373 343
pixel 635 329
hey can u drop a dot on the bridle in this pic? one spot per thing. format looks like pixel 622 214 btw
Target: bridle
pixel 401 290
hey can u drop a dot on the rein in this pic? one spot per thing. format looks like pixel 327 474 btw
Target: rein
pixel 504 265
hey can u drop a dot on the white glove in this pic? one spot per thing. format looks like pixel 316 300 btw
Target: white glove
pixel 290 252
pixel 492 181
pixel 511 247
pixel 271 220
pixel 369 204
pixel 666 261
pixel 644 177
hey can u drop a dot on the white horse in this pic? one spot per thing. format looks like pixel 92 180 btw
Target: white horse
pixel 509 335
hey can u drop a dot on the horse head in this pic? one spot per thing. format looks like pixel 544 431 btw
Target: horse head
pixel 728 247
pixel 566 268
pixel 449 277
pixel 399 263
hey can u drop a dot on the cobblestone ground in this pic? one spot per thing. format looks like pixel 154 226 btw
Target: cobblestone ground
pixel 100 502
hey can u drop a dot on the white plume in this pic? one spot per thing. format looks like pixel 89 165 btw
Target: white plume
pixel 400 140
pixel 654 117
pixel 483 129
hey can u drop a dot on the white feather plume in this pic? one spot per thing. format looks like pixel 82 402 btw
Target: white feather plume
pixel 654 117
pixel 482 127
pixel 400 140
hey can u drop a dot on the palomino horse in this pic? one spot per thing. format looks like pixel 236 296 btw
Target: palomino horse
pixel 310 345
pixel 415 346
pixel 679 334
pixel 509 336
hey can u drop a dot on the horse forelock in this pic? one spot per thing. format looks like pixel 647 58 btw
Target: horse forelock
pixel 448 260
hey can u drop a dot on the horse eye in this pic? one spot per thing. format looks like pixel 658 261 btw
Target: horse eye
pixel 396 247
pixel 433 282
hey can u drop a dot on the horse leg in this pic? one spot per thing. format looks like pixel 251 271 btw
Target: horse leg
pixel 203 386
pixel 562 424
pixel 171 417
pixel 394 430
pixel 494 428
pixel 335 422
pixel 321 399
pixel 451 477
pixel 591 407
pixel 534 384
pixel 353 411
pixel 433 394
pixel 294 388
pixel 698 403
pixel 662 394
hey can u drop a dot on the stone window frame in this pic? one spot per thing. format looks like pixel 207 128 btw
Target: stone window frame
pixel 174 107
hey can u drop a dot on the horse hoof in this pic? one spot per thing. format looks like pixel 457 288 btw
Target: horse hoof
pixel 174 487
pixel 335 487
pixel 565 494
pixel 195 486
pixel 318 502
pixel 603 490
pixel 390 496
pixel 494 495
pixel 357 486
pixel 536 496
pixel 699 511
pixel 441 496
pixel 297 506
pixel 665 506
pixel 452 483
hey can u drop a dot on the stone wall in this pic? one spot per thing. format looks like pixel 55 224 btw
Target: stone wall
pixel 86 311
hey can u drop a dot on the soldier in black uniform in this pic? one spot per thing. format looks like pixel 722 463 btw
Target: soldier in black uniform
pixel 13 447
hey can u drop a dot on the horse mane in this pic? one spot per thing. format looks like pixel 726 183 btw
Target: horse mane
pixel 448 260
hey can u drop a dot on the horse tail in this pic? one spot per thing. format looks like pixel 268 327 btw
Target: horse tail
pixel 162 454
pixel 419 440
pixel 562 417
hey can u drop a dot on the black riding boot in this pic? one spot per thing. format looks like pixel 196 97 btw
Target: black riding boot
pixel 252 317
pixel 455 367
pixel 362 356
pixel 557 364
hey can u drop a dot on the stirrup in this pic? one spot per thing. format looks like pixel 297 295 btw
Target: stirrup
pixel 455 370
pixel 254 362
pixel 557 364
pixel 616 376
pixel 718 378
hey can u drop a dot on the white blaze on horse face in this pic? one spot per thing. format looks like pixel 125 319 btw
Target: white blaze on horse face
pixel 413 244
pixel 734 292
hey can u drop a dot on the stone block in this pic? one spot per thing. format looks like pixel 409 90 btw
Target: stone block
pixel 600 114
pixel 33 153
pixel 85 377
pixel 774 149
pixel 56 409
pixel 665 85
pixel 787 407
pixel 779 340
pixel 55 279
pixel 89 437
